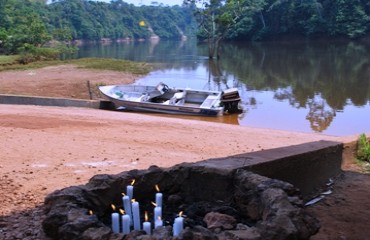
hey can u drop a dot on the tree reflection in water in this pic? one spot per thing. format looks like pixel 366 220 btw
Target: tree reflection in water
pixel 320 114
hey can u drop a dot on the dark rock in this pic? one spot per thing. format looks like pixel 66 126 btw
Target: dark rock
pixel 218 220
pixel 280 216
pixel 198 233
pixel 98 234
pixel 77 227
pixel 246 234
pixel 52 223
pixel 174 199
pixel 163 233
pixel 133 235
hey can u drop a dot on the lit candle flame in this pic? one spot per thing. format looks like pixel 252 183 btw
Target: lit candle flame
pixel 123 194
pixel 113 207
pixel 154 204
pixel 91 212
pixel 122 211
pixel 133 200
pixel 180 213
pixel 146 216
pixel 157 188
pixel 132 182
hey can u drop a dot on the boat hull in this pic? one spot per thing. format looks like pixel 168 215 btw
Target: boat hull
pixel 159 108
pixel 194 102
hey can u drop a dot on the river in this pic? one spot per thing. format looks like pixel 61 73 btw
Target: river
pixel 321 87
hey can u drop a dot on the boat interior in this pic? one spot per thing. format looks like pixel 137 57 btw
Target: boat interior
pixel 178 97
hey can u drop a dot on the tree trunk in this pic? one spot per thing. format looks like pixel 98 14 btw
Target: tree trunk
pixel 214 44
pixel 211 48
pixel 218 47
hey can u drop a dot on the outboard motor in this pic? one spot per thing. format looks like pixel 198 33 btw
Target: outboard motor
pixel 230 100
pixel 162 87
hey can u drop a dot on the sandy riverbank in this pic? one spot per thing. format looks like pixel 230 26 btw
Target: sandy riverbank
pixel 47 148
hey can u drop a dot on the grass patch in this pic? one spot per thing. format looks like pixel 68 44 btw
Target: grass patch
pixel 113 64
pixel 11 63
pixel 6 60
pixel 17 66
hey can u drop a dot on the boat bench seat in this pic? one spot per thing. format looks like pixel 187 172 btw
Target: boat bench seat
pixel 134 96
pixel 209 101
pixel 178 98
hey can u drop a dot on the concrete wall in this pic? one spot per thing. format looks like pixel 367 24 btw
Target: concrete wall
pixel 307 166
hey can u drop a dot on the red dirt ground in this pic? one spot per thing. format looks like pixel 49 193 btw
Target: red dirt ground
pixel 43 149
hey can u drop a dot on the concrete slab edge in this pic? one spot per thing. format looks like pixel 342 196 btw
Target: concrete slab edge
pixel 50 101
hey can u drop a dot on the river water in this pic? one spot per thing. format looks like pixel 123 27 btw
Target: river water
pixel 321 87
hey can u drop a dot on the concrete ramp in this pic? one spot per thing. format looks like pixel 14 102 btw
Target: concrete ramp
pixel 58 102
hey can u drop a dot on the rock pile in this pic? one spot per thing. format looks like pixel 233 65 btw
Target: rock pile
pixel 217 203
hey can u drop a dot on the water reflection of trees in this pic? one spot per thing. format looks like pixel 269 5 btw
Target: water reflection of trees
pixel 221 78
pixel 320 115
pixel 170 54
pixel 298 73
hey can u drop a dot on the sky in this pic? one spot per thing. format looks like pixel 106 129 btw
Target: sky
pixel 148 2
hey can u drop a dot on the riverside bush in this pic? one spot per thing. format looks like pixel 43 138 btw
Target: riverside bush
pixel 31 53
pixel 363 150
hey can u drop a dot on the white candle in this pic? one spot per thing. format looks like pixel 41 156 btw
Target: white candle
pixel 126 222
pixel 136 215
pixel 178 226
pixel 158 199
pixel 130 191
pixel 147 227
pixel 157 213
pixel 115 222
pixel 127 205
pixel 158 222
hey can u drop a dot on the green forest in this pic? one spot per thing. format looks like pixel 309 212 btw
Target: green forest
pixel 34 23
pixel 37 22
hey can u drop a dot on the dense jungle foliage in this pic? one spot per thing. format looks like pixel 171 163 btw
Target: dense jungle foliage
pixel 260 19
pixel 25 24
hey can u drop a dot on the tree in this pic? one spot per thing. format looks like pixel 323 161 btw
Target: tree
pixel 348 18
pixel 218 18
pixel 21 25
pixel 252 20
pixel 209 26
